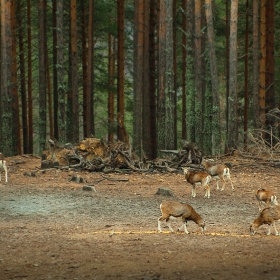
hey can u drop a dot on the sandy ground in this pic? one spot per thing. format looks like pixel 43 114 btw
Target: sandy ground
pixel 50 228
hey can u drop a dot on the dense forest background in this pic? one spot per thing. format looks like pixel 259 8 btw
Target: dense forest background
pixel 147 72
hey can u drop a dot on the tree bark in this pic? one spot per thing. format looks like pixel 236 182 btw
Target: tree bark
pixel 256 111
pixel 42 75
pixel 216 133
pixel 121 59
pixel 232 137
pixel 138 76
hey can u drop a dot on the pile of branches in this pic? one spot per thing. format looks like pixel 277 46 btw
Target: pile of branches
pixel 98 155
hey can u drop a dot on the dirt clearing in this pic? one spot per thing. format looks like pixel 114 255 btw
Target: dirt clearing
pixel 52 229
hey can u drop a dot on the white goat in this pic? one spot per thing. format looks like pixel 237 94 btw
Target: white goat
pixel 198 178
pixel 267 197
pixel 174 209
pixel 219 172
pixel 268 216
pixel 3 167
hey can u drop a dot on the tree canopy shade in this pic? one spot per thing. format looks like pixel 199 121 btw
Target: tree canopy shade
pixel 150 73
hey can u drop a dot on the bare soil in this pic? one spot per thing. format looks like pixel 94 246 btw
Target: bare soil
pixel 50 228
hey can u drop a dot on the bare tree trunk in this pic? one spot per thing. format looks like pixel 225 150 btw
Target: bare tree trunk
pixel 152 81
pixel 270 64
pixel 256 63
pixel 90 76
pixel 55 66
pixel 86 93
pixel 42 75
pixel 146 109
pixel 166 104
pixel 216 134
pixel 198 75
pixel 22 69
pixel 175 70
pixel 138 75
pixel 73 122
pixel 232 137
pixel 246 77
pixel 29 79
pixel 262 90
pixel 15 97
pixel 8 143
pixel 61 121
pixel 184 70
pixel 111 73
pixel 121 58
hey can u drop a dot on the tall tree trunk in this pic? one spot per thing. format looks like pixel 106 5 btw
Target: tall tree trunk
pixel 174 16
pixel 184 70
pixel 216 134
pixel 55 69
pixel 86 93
pixel 29 79
pixel 198 75
pixel 61 106
pixel 121 58
pixel 166 104
pixel 256 111
pixel 22 70
pixel 146 109
pixel 246 78
pixel 227 66
pixel 50 96
pixel 111 73
pixel 8 144
pixel 90 76
pixel 15 97
pixel 42 75
pixel 232 137
pixel 73 99
pixel 270 65
pixel 138 75
pixel 152 81
pixel 191 91
pixel 161 111
pixel 262 90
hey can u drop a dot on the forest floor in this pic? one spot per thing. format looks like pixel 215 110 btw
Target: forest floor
pixel 50 228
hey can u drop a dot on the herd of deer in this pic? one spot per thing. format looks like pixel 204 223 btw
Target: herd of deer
pixel 173 209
